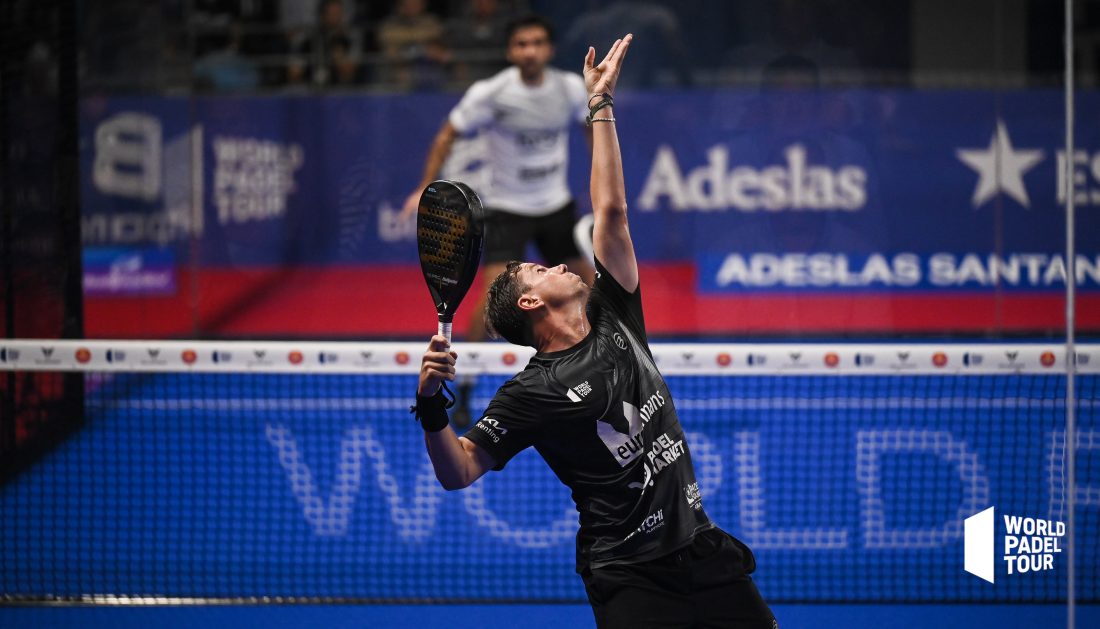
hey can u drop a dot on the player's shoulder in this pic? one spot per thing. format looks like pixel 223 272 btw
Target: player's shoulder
pixel 574 83
pixel 610 306
pixel 566 75
pixel 521 394
pixel 493 85
pixel 533 377
pixel 517 383
pixel 506 77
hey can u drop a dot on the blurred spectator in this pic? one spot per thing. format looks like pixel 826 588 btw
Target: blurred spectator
pixel 258 37
pixel 477 36
pixel 263 41
pixel 795 28
pixel 330 53
pixel 411 39
pixel 298 18
pixel 661 60
pixel 122 46
pixel 223 68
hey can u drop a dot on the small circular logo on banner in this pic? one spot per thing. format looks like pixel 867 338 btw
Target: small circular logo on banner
pixel 83 355
pixel 508 358
pixel 401 358
pixel 939 359
pixel 831 359
pixel 295 357
pixel 189 356
pixel 724 359
pixel 1047 358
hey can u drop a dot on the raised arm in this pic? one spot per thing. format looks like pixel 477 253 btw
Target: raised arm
pixel 611 233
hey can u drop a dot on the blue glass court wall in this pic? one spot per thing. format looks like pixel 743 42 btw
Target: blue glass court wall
pixel 849 470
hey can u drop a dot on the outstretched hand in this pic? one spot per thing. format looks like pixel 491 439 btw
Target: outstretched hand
pixel 601 78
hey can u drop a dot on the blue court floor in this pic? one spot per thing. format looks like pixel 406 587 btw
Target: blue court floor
pixel 528 616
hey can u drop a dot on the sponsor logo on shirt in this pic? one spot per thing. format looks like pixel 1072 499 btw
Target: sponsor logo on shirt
pixel 664 452
pixel 651 523
pixel 530 174
pixel 578 392
pixel 693 496
pixel 626 445
pixel 537 138
pixel 492 427
pixel 619 340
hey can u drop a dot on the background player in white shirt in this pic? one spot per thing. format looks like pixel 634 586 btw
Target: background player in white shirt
pixel 526 111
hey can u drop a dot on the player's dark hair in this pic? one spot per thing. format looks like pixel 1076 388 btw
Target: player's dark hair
pixel 526 21
pixel 503 316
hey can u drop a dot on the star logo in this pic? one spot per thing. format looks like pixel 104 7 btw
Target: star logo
pixel 1000 168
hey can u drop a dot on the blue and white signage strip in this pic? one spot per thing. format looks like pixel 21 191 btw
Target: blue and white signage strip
pixel 869 359
pixel 498 358
pixel 245 356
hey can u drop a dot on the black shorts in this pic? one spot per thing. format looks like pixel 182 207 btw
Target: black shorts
pixel 706 584
pixel 507 235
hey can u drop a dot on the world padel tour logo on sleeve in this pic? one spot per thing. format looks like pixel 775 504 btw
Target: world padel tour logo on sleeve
pixel 1027 544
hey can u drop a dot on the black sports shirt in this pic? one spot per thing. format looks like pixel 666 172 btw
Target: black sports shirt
pixel 601 416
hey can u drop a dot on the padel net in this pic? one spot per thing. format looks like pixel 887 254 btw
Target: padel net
pixel 251 471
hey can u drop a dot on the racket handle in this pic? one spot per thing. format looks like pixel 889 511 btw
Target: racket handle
pixel 445 330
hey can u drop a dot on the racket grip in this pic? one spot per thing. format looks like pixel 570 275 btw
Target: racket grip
pixel 445 330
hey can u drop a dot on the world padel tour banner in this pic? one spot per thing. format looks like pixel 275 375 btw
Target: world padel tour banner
pixel 751 211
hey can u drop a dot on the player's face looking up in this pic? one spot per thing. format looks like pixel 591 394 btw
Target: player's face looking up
pixel 530 50
pixel 554 286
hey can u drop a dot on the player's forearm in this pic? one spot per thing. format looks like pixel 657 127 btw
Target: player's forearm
pixel 449 459
pixel 438 153
pixel 607 187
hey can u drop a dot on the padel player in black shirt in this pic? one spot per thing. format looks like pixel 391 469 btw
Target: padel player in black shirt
pixel 594 405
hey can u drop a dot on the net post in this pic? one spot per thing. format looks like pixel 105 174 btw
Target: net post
pixel 1071 354
pixel 7 281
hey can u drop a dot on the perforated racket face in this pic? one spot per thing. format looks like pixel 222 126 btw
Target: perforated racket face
pixel 449 238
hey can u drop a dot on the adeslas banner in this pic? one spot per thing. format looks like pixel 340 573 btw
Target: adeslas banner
pixel 895 199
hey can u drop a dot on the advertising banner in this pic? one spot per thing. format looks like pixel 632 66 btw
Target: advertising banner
pixel 847 211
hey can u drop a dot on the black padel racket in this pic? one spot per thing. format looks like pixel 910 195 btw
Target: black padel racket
pixel 450 231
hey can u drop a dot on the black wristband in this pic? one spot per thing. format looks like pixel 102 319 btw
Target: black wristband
pixel 605 101
pixel 432 411
pixel 600 95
